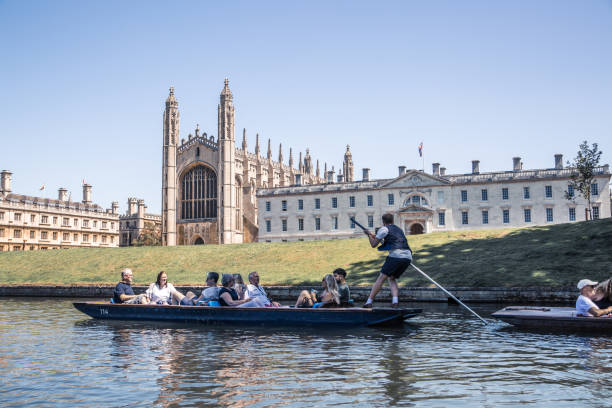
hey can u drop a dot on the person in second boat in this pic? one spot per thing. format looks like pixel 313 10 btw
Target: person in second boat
pixel 585 305
pixel 398 260
pixel 603 294
pixel 329 297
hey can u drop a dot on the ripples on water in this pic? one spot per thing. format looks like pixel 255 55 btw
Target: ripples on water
pixel 51 355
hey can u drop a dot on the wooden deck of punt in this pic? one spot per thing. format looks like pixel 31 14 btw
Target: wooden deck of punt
pixel 559 318
pixel 357 317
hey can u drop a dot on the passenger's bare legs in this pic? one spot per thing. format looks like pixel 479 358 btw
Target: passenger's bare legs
pixel 304 299
pixel 177 296
pixel 376 288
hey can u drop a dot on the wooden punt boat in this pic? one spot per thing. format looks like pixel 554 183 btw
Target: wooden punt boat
pixel 249 315
pixel 558 318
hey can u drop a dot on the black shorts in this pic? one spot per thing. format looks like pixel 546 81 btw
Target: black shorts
pixel 394 267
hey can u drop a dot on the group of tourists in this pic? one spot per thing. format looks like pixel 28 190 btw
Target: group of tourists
pixel 232 292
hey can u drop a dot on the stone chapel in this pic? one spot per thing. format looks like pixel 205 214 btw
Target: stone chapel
pixel 209 185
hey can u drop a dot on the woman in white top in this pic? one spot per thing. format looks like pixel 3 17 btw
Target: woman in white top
pixel 162 292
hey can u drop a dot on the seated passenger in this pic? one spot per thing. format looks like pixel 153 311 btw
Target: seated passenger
pixel 229 297
pixel 162 292
pixel 343 289
pixel 211 293
pixel 603 294
pixel 124 293
pixel 328 298
pixel 585 305
pixel 254 291
pixel 239 286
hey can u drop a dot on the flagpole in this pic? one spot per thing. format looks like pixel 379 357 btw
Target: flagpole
pixel 423 156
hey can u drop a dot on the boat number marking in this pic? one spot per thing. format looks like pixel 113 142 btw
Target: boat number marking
pixel 103 312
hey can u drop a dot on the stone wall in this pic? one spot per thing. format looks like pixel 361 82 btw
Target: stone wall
pixel 288 294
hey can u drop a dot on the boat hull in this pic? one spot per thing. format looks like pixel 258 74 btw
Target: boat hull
pixel 558 318
pixel 248 315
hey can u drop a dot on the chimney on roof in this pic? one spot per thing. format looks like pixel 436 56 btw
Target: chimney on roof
pixel 141 208
pixel 475 166
pixel 401 170
pixel 141 214
pixel 340 177
pixel 298 179
pixel 443 171
pixel 62 194
pixel 435 169
pixel 5 184
pixel 115 207
pixel 558 161
pixel 132 206
pixel 366 174
pixel 516 164
pixel 86 194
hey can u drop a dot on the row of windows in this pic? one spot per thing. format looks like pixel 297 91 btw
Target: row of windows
pixel 44 219
pixel 506 216
pixel 317 224
pixel 334 203
pixel 484 196
pixel 441 219
pixel 548 193
pixel 17 233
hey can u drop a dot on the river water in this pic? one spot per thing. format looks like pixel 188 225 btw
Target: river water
pixel 52 355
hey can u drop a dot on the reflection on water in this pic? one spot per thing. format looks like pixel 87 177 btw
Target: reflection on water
pixel 52 355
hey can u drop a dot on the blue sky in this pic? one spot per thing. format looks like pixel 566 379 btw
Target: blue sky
pixel 84 84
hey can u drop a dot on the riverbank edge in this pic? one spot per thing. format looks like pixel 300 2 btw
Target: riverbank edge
pixel 358 293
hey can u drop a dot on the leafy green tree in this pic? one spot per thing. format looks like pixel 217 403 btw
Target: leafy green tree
pixel 584 165
pixel 150 236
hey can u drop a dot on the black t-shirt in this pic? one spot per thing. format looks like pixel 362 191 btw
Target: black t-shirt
pixel 345 293
pixel 121 289
pixel 232 293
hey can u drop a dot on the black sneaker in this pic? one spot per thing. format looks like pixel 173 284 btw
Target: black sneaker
pixel 367 306
pixel 395 305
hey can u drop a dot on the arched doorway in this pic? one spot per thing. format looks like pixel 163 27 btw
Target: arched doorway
pixel 416 229
pixel 199 241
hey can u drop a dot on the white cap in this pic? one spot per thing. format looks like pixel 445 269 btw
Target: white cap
pixel 586 282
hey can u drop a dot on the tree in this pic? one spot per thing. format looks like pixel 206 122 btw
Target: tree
pixel 150 235
pixel 584 165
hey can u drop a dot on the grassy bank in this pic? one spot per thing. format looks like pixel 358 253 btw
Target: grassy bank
pixel 555 256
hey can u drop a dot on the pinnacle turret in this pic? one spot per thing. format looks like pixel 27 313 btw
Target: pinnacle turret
pixel 226 93
pixel 269 153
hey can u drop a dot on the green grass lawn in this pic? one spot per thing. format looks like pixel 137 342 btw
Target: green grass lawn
pixel 556 256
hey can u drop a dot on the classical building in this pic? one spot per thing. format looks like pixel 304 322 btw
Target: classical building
pixel 137 221
pixel 209 185
pixel 423 203
pixel 36 223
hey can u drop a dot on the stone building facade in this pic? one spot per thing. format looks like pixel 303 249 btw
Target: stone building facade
pixel 423 203
pixel 137 221
pixel 35 223
pixel 209 185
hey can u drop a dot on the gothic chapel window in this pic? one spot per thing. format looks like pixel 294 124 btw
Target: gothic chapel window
pixel 199 194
